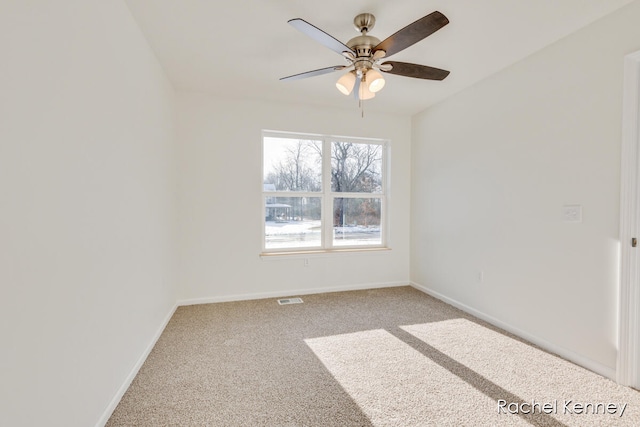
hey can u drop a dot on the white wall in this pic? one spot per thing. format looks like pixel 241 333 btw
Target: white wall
pixel 221 209
pixel 87 221
pixel 492 168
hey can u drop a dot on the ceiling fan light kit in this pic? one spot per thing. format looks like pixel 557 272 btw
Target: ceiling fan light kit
pixel 375 81
pixel 346 83
pixel 365 54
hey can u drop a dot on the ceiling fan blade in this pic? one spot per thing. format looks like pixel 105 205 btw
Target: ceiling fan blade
pixel 412 33
pixel 314 73
pixel 320 36
pixel 415 70
pixel 356 87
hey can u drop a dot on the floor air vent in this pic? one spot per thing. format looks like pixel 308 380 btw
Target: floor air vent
pixel 285 301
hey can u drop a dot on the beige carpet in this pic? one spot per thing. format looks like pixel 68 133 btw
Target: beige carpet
pixel 385 357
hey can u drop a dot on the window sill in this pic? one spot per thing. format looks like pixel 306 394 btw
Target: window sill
pixel 319 253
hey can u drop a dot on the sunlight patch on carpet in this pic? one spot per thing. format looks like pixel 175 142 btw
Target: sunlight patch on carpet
pixel 394 384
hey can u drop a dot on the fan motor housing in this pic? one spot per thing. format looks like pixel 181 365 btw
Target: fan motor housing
pixel 363 45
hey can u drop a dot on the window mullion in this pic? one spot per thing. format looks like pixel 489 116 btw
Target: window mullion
pixel 359 195
pixel 292 194
pixel 327 200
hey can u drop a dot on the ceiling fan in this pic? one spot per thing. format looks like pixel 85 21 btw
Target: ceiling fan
pixel 365 54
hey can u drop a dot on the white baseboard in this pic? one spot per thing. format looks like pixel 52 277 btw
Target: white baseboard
pixel 134 371
pixel 289 293
pixel 576 358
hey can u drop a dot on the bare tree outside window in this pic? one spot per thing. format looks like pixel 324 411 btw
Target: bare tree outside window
pixel 297 167
pixel 355 168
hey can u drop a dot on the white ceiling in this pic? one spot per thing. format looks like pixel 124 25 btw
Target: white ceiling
pixel 241 48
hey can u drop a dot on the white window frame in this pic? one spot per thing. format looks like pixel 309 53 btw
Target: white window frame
pixel 327 196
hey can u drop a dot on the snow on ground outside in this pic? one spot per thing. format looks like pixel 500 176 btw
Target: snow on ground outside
pixel 297 227
pixel 307 234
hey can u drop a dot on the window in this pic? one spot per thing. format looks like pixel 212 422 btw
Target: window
pixel 322 192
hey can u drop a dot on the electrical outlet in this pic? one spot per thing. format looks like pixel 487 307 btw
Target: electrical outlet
pixel 480 276
pixel 306 262
pixel 572 213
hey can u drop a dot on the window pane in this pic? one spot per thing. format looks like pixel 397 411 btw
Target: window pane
pixel 356 168
pixel 292 222
pixel 292 164
pixel 356 221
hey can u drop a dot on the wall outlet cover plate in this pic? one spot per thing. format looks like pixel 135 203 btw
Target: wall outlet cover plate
pixel 572 213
